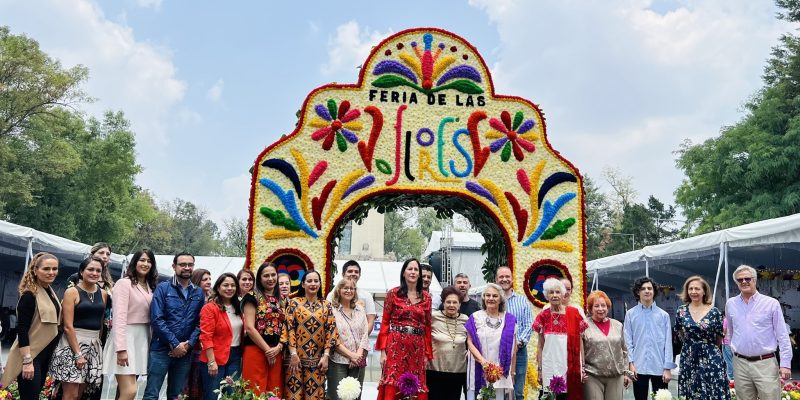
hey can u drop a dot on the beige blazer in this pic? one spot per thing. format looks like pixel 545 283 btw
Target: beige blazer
pixel 44 328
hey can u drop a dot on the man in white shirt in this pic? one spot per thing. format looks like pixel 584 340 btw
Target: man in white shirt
pixel 352 270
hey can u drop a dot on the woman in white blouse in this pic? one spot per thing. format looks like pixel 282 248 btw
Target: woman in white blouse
pixel 350 356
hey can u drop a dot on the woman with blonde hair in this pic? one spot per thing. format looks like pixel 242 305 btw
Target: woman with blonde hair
pixel 700 325
pixel 350 357
pixel 38 312
pixel 606 363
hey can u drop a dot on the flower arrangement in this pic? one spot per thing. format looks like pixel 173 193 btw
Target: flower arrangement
pixel 10 392
pixel 408 385
pixel 48 390
pixel 556 386
pixel 791 391
pixel 493 373
pixel 348 388
pixel 665 394
pixel 239 389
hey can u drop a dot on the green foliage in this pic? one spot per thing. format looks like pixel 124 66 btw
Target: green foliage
pixel 751 171
pixel 404 241
pixel 278 218
pixel 33 84
pixel 234 243
pixel 192 231
pixel 558 228
pixel 597 214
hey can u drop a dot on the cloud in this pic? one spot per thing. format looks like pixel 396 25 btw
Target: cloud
pixel 631 79
pixel 235 194
pixel 349 48
pixel 124 74
pixel 214 93
pixel 154 4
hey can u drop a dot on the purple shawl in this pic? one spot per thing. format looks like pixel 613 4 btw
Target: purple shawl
pixel 506 347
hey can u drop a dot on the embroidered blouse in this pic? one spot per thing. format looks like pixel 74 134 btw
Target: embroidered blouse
pixel 270 317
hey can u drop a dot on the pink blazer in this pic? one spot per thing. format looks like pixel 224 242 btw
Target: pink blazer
pixel 131 305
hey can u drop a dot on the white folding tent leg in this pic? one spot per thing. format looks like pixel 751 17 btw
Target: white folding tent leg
pixel 719 268
pixel 647 267
pixel 28 254
pixel 727 287
pixel 595 283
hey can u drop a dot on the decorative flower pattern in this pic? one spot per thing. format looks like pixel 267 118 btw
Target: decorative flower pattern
pixel 512 136
pixel 336 122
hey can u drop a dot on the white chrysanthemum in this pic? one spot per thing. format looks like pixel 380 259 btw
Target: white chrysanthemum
pixel 663 394
pixel 348 389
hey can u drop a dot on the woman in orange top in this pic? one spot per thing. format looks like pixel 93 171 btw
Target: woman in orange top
pixel 220 335
pixel 264 321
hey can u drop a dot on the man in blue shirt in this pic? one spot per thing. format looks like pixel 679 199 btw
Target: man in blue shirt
pixel 519 306
pixel 649 339
pixel 175 320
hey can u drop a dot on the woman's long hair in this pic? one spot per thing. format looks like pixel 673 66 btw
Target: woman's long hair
pixel 403 292
pixel 108 281
pixel 301 292
pixel 29 283
pixel 152 276
pixel 259 287
pixel 218 300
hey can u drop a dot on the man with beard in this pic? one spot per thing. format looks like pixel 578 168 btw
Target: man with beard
pixel 175 320
pixel 468 306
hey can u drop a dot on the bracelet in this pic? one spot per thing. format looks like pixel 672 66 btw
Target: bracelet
pixel 27 357
pixel 29 362
pixel 78 355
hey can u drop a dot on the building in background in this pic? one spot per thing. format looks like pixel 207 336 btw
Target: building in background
pixel 363 241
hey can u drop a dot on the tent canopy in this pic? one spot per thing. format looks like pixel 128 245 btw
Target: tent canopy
pixel 774 243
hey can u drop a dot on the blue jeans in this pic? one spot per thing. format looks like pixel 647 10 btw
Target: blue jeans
pixel 159 366
pixel 231 368
pixel 519 370
pixel 727 354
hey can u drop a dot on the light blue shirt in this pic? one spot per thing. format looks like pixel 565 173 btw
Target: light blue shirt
pixel 648 336
pixel 520 308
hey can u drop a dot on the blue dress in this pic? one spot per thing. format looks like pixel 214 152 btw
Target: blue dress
pixel 702 367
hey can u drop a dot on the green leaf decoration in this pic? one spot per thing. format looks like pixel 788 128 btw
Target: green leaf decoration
pixel 559 228
pixel 332 109
pixel 383 166
pixel 390 81
pixel 505 155
pixel 340 142
pixel 517 120
pixel 461 85
pixel 278 218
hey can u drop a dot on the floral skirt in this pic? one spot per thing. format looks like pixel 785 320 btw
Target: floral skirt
pixel 63 368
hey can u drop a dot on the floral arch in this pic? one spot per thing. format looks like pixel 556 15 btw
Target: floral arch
pixel 423 118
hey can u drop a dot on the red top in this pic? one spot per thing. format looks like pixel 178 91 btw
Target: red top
pixel 215 333
pixel 402 349
pixel 604 326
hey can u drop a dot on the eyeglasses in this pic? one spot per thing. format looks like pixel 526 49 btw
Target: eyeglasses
pixel 743 280
pixel 348 289
pixel 184 265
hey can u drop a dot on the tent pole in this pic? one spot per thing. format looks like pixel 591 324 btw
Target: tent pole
pixel 719 268
pixel 596 283
pixel 646 267
pixel 28 254
pixel 727 288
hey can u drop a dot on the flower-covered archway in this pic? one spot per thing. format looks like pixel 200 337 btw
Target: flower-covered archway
pixel 422 118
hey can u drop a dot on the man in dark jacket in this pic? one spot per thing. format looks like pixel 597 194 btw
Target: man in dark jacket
pixel 175 320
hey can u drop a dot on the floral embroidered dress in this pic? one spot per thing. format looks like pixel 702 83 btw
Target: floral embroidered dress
pixel 311 331
pixel 702 367
pixel 406 337
pixel 561 351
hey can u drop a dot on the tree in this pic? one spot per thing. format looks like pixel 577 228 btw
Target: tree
pixel 234 243
pixel 399 239
pixel 32 83
pixel 751 171
pixel 192 231
pixel 597 214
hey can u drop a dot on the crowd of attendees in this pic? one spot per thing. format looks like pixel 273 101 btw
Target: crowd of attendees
pixel 193 331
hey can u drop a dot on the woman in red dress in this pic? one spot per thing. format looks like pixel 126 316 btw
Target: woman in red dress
pixel 406 321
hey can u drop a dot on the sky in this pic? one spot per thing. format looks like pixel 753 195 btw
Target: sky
pixel 207 85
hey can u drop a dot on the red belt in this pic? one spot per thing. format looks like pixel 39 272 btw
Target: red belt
pixel 755 358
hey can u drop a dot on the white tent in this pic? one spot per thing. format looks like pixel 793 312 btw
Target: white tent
pixel 773 243
pixel 19 243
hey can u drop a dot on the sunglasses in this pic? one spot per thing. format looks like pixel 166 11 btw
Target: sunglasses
pixel 743 280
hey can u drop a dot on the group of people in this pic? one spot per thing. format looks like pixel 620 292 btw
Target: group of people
pixel 193 334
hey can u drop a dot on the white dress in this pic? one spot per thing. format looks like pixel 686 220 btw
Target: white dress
pixel 489 337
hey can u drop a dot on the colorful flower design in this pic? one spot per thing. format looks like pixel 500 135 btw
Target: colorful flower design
pixel 512 136
pixel 336 122
pixel 269 318
pixel 420 69
pixel 408 385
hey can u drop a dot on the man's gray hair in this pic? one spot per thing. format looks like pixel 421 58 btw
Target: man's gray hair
pixel 747 268
pixel 553 283
pixel 462 275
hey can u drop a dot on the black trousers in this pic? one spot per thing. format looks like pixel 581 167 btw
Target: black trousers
pixel 642 383
pixel 445 385
pixel 29 389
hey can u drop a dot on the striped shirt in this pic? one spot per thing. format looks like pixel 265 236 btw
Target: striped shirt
pixel 520 308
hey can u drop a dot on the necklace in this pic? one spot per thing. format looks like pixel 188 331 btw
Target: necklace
pixel 454 331
pixel 556 318
pixel 89 294
pixel 491 324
